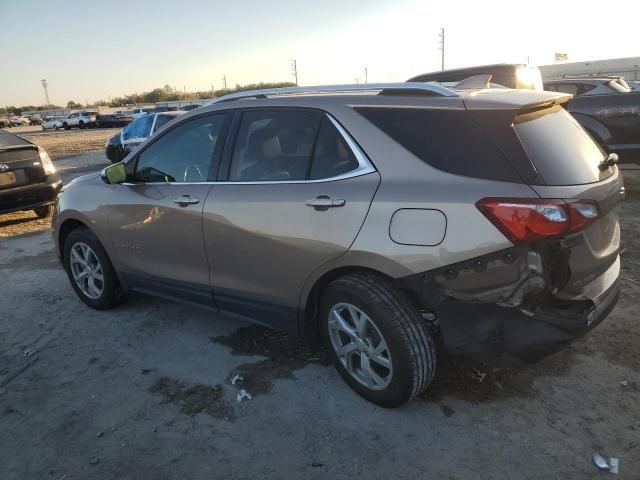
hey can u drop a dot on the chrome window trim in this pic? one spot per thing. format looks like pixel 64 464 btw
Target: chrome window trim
pixel 364 167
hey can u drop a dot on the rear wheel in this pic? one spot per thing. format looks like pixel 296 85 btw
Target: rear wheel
pixel 44 212
pixel 90 271
pixel 380 344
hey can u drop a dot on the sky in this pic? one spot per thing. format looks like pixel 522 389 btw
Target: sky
pixel 90 50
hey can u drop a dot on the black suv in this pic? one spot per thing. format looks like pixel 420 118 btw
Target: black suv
pixel 28 179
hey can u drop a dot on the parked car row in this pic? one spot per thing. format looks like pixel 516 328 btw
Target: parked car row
pixel 117 119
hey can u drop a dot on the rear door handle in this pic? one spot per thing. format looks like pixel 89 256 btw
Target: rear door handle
pixel 184 200
pixel 324 202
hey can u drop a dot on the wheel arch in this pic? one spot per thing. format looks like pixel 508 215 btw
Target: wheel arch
pixel 65 228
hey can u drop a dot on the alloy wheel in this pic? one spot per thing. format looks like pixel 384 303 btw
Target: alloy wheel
pixel 86 270
pixel 360 346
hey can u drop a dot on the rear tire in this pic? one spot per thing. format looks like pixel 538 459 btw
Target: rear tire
pixel 44 212
pixel 102 291
pixel 389 317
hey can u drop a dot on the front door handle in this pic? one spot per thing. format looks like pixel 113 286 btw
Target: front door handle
pixel 324 202
pixel 184 200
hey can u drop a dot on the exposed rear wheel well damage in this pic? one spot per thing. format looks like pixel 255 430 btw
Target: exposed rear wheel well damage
pixel 310 322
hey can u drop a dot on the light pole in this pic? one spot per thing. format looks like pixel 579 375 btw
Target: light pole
pixel 46 93
pixel 294 70
pixel 442 45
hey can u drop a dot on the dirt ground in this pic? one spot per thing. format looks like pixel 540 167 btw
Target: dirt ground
pixel 148 391
pixel 64 143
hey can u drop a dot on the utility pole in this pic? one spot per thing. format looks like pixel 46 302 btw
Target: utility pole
pixel 224 81
pixel 442 45
pixel 294 70
pixel 184 92
pixel 46 93
pixel 366 75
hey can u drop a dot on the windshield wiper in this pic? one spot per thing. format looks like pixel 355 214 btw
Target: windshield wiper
pixel 610 161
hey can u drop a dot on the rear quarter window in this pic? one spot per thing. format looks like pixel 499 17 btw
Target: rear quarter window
pixel 448 140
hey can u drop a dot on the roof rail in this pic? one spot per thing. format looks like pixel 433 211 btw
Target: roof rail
pixel 397 88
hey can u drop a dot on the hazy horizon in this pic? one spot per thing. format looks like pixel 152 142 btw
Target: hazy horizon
pixel 90 52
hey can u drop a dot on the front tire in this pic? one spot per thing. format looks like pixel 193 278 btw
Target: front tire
pixel 66 126
pixel 90 271
pixel 380 344
pixel 81 125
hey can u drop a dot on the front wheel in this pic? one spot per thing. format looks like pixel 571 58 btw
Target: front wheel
pixel 380 344
pixel 81 125
pixel 90 271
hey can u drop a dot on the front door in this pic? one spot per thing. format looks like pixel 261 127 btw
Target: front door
pixel 297 191
pixel 156 218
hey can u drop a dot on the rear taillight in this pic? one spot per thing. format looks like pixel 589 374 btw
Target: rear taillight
pixel 525 220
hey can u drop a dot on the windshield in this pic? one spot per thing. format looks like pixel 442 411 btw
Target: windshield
pixel 559 148
pixel 162 120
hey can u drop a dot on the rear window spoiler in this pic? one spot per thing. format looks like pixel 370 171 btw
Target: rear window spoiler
pixel 543 105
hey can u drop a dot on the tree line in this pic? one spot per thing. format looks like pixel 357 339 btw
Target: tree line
pixel 164 94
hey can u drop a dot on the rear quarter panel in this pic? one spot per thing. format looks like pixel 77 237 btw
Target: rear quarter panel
pixel 409 183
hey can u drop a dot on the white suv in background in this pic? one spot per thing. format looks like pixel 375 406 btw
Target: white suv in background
pixel 80 120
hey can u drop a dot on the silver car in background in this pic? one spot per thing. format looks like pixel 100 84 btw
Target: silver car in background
pixel 381 219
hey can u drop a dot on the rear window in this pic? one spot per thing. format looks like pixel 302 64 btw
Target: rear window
pixel 162 120
pixel 560 149
pixel 8 139
pixel 449 140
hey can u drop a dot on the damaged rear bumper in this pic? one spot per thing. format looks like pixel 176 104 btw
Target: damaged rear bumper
pixel 537 326
pixel 528 335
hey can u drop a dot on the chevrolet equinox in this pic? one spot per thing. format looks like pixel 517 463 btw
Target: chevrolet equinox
pixel 384 219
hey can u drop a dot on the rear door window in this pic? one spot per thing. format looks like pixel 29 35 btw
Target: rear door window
pixel 559 148
pixel 274 145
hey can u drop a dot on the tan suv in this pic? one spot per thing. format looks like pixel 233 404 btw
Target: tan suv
pixel 382 218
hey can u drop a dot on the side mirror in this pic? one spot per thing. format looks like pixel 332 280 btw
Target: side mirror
pixel 114 174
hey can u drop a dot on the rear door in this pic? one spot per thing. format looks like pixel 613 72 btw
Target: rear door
pixel 295 191
pixel 568 162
